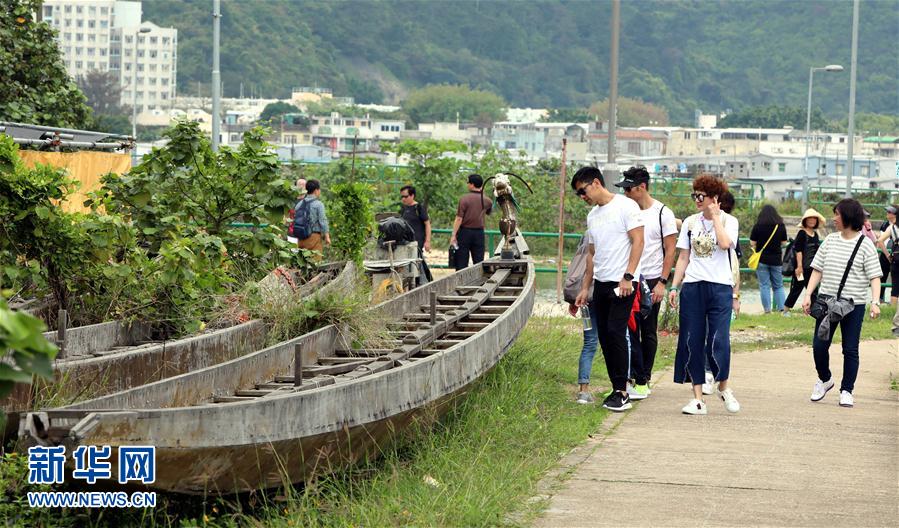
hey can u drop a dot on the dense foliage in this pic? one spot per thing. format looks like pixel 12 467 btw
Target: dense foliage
pixel 23 350
pixel 351 220
pixel 36 87
pixel 773 116
pixel 679 55
pixel 451 103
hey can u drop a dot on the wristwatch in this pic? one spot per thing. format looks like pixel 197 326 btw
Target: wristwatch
pixel 664 281
pixel 628 276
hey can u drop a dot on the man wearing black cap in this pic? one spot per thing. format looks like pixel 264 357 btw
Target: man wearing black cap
pixel 659 239
pixel 889 258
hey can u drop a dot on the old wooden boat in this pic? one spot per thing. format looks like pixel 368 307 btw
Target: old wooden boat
pixel 313 404
pixel 110 357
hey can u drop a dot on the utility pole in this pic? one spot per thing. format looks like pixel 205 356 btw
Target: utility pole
pixel 611 168
pixel 216 76
pixel 852 71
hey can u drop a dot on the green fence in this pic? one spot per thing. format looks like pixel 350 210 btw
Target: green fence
pixel 824 197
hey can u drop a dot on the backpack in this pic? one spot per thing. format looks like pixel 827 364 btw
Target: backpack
pixel 574 279
pixel 302 228
pixel 789 261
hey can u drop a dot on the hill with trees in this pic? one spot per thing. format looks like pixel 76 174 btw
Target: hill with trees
pixel 680 55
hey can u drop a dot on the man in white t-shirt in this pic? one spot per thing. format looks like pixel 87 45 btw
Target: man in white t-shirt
pixel 659 238
pixel 613 263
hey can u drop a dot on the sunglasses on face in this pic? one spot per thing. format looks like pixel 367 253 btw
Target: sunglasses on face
pixel 405 195
pixel 582 192
pixel 698 197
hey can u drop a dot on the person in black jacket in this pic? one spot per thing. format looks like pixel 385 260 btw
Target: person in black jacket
pixel 769 235
pixel 806 245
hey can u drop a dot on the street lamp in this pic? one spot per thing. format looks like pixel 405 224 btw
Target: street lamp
pixel 808 125
pixel 134 95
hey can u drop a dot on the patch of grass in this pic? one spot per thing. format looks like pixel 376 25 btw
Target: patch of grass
pixel 894 382
pixel 766 331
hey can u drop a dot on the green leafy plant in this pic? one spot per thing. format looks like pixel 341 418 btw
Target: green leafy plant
pixel 352 220
pixel 24 352
pixel 36 87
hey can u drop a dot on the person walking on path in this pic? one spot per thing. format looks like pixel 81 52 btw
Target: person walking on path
pixel 845 266
pixel 707 296
pixel 890 233
pixel 573 281
pixel 806 246
pixel 310 222
pixel 770 231
pixel 616 229
pixel 416 215
pixel 468 227
pixel 659 238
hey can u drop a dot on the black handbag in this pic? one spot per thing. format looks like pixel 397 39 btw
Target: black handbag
pixel 819 308
pixel 452 257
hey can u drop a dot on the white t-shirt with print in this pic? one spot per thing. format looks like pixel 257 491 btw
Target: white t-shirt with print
pixel 714 266
pixel 654 232
pixel 608 226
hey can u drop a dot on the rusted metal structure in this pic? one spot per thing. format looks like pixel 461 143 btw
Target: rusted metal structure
pixel 316 403
pixel 114 356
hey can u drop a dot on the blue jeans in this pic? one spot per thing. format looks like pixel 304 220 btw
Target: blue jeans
pixel 704 310
pixel 851 329
pixel 591 341
pixel 771 277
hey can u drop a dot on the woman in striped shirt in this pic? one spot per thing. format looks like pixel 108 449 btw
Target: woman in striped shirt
pixel 828 268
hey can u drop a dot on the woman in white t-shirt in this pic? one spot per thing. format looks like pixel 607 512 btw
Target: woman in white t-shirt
pixel 707 295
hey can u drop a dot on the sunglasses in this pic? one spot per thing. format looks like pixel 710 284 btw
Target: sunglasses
pixel 698 197
pixel 405 195
pixel 583 190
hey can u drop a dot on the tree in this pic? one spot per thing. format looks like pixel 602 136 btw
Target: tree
pixel 36 87
pixel 273 111
pixel 446 102
pixel 575 115
pixel 103 93
pixel 631 112
pixel 365 92
pixel 773 116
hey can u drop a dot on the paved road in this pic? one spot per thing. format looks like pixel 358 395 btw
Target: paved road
pixel 781 461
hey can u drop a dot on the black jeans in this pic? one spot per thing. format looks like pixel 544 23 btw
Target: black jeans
pixel 851 329
pixel 645 342
pixel 612 313
pixel 796 287
pixel 471 241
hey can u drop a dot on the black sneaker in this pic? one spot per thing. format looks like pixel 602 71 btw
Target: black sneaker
pixel 617 402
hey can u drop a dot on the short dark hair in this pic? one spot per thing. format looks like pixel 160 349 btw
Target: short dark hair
pixel 410 190
pixel 312 186
pixel 586 175
pixel 476 180
pixel 852 213
pixel 727 202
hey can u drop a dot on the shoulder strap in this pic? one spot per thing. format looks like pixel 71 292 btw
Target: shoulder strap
pixel 769 238
pixel 661 230
pixel 849 265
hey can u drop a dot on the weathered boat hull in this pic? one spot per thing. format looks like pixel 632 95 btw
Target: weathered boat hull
pixel 85 374
pixel 271 441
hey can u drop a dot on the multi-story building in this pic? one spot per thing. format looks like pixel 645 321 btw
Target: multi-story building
pixel 145 56
pixel 108 36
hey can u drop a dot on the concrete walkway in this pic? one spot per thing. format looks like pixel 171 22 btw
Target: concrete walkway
pixel 781 461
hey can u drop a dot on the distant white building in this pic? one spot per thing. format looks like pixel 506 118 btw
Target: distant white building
pixel 103 35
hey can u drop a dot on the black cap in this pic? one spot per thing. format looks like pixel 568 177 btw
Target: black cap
pixel 633 177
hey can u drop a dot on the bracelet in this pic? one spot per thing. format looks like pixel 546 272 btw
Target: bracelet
pixel 736 296
pixel 673 288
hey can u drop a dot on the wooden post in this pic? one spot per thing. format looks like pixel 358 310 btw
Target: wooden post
pixel 297 365
pixel 62 322
pixel 560 253
pixel 433 296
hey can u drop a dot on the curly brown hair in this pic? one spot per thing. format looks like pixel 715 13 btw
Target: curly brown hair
pixel 710 184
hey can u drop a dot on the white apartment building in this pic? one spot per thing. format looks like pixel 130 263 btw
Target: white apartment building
pixel 99 35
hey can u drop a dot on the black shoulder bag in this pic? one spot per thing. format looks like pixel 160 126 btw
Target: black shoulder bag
pixel 824 304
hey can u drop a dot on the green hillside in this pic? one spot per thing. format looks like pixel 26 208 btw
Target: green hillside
pixel 682 55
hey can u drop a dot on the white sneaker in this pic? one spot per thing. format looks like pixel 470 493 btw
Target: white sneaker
pixel 846 399
pixel 708 386
pixel 821 388
pixel 730 402
pixel 695 407
pixel 635 394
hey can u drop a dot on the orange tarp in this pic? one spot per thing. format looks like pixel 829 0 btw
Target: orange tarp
pixel 86 167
